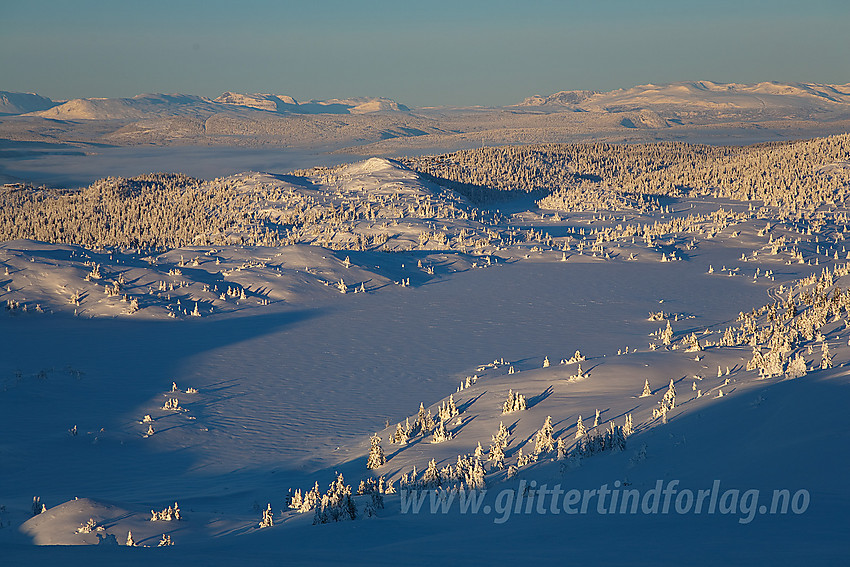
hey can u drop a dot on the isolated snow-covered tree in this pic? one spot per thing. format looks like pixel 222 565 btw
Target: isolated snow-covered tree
pixel 647 391
pixel 596 419
pixel 268 517
pixel 130 541
pixel 376 453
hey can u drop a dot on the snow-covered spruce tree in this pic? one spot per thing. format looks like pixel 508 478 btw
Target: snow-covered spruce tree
pixel 447 410
pixel 311 499
pixel 562 449
pixel 580 430
pixel 268 517
pixel 544 442
pixel 667 335
pixel 628 428
pixel 432 478
pixel 440 433
pixel 496 456
pixel 515 402
pixel 647 391
pixel 479 451
pixel 424 422
pixel 826 356
pixel 501 436
pixel 295 501
pixel 130 541
pixel 376 454
pixel 596 419
pixel 401 434
pixel 669 398
pixel 797 367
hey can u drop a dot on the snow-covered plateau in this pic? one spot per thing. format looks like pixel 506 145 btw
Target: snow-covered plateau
pixel 582 353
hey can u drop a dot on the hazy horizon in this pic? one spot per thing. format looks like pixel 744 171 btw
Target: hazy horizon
pixel 473 53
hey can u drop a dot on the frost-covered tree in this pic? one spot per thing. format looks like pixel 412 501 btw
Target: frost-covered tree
pixel 562 449
pixel 515 402
pixel 580 430
pixel 440 433
pixel 37 506
pixel 376 454
pixel 130 541
pixel 667 334
pixel 797 367
pixel 268 517
pixel 669 398
pixel 647 391
pixel 432 478
pixel 401 434
pixel 628 428
pixel 826 356
pixel 544 441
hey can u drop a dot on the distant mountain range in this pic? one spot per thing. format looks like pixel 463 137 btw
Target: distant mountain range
pixel 165 105
pixel 687 98
pixel 700 111
pixel 702 95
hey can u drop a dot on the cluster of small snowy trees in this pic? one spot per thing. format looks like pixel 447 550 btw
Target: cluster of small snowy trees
pixel 515 402
pixel 338 503
pixel 424 424
pixel 777 336
pixel 612 438
pixel 468 472
pixel 170 514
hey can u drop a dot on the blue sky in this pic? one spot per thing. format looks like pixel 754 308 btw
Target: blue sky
pixel 422 53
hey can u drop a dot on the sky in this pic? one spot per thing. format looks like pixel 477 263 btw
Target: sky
pixel 425 53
